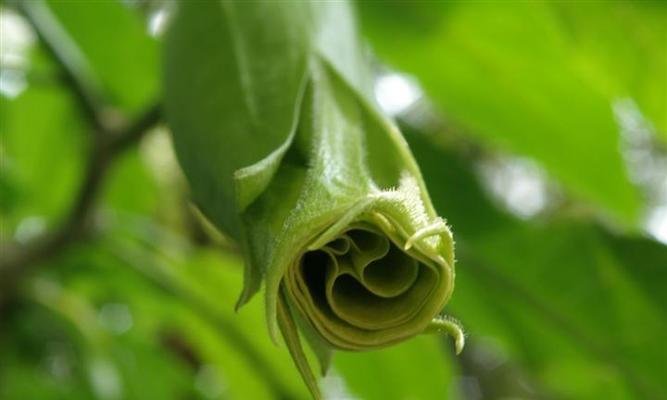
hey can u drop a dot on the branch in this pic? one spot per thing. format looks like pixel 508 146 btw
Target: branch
pixel 64 51
pixel 19 259
pixel 105 149
pixel 126 138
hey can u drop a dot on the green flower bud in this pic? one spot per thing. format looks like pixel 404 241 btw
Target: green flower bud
pixel 286 151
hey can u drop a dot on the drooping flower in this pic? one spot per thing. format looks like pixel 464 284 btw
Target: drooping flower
pixel 286 151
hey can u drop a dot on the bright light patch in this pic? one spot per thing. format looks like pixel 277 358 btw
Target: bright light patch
pixel 105 380
pixel 12 83
pixel 158 153
pixel 29 228
pixel 209 383
pixel 656 223
pixel 646 164
pixel 16 38
pixel 115 317
pixel 334 387
pixel 59 360
pixel 518 184
pixel 396 93
pixel 157 22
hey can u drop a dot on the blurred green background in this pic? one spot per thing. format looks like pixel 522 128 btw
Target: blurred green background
pixel 541 130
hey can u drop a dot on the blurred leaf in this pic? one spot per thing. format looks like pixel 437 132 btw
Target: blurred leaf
pixel 537 78
pixel 169 340
pixel 416 369
pixel 38 360
pixel 119 362
pixel 215 279
pixel 130 172
pixel 43 153
pixel 581 309
pixel 201 287
pixel 146 370
pixel 620 49
pixel 114 39
pixel 645 265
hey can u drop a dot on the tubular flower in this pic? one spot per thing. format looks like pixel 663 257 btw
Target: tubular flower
pixel 286 151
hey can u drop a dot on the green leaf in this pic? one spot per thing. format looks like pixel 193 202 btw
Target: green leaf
pixel 418 369
pixel 183 326
pixel 88 358
pixel 130 171
pixel 537 78
pixel 578 307
pixel 198 289
pixel 30 141
pixel 34 336
pixel 114 40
